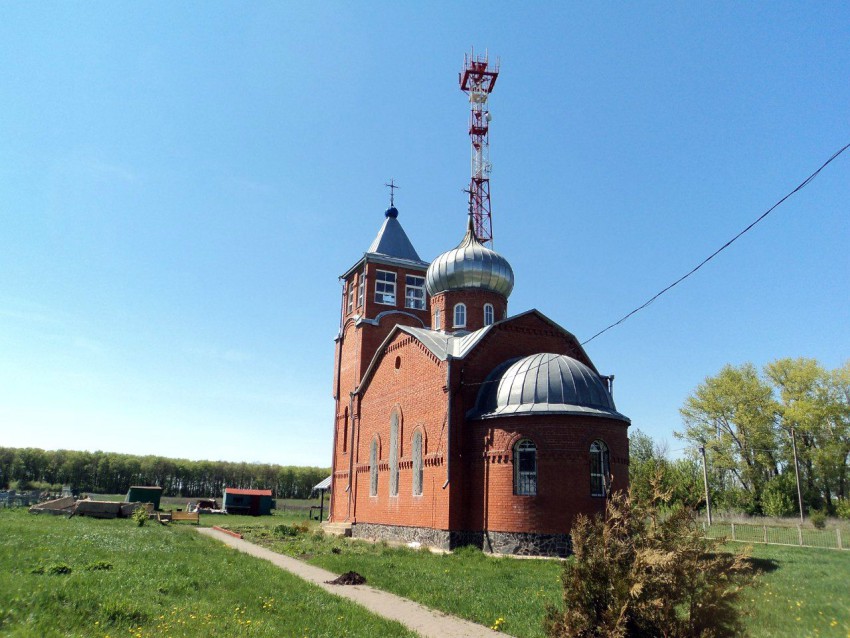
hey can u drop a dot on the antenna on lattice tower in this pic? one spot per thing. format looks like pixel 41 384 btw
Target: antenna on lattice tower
pixel 477 79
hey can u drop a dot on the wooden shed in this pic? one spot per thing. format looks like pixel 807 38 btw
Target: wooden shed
pixel 251 502
pixel 144 494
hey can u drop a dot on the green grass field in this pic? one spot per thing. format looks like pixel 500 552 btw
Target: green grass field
pixel 800 592
pixel 87 577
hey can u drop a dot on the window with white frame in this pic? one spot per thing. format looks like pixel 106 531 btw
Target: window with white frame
pixel 488 314
pixel 417 463
pixel 600 469
pixel 350 306
pixel 373 468
pixel 460 315
pixel 414 292
pixel 437 319
pixel 394 454
pixel 385 287
pixel 525 468
pixel 361 288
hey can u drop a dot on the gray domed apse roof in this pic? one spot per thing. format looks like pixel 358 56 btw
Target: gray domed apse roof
pixel 544 384
pixel 470 265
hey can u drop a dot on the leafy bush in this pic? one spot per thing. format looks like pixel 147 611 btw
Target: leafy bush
pixel 818 519
pixel 636 574
pixel 140 515
pixel 842 509
pixel 284 530
pixel 775 500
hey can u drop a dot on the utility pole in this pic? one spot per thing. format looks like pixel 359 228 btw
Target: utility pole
pixel 705 481
pixel 797 473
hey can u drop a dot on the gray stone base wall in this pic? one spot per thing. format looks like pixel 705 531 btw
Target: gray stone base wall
pixel 515 543
pixel 426 535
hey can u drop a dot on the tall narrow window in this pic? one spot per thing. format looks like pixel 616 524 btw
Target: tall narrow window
pixel 414 292
pixel 361 287
pixel 345 431
pixel 525 468
pixel 460 315
pixel 373 468
pixel 437 319
pixel 394 454
pixel 600 469
pixel 488 314
pixel 350 306
pixel 417 463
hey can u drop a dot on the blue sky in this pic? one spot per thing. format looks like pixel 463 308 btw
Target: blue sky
pixel 182 184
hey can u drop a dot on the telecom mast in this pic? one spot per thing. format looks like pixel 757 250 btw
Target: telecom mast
pixel 477 79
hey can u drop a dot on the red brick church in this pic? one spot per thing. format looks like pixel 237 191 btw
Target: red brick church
pixel 457 423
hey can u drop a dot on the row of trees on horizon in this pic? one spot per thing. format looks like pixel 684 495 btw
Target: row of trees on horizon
pixel 113 473
pixel 747 421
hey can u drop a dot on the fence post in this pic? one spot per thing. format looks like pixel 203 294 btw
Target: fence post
pixel 733 531
pixel 765 534
pixel 838 536
pixel 800 534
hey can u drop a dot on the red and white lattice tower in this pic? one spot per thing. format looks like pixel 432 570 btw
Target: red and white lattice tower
pixel 477 79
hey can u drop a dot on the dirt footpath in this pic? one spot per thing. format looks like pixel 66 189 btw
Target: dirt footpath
pixel 426 622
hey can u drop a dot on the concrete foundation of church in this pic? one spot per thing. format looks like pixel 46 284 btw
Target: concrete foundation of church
pixel 513 543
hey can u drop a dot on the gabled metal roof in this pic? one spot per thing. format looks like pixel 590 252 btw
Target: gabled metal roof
pixel 441 345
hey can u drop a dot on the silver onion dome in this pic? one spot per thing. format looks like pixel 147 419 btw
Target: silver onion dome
pixel 470 265
pixel 544 384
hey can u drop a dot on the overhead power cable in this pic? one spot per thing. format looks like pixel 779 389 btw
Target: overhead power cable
pixel 802 185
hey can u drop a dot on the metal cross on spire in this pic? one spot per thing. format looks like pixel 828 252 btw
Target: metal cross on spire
pixel 392 188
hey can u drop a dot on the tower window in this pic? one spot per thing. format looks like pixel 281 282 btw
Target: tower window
pixel 417 463
pixel 350 306
pixel 414 292
pixel 385 288
pixel 488 314
pixel 361 287
pixel 373 468
pixel 437 319
pixel 525 468
pixel 460 315
pixel 600 469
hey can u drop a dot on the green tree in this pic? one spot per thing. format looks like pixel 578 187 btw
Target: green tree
pixel 733 415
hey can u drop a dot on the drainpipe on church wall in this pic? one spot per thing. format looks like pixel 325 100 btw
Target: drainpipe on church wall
pixel 448 421
pixel 350 450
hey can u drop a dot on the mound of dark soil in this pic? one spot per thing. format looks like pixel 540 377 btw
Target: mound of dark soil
pixel 348 578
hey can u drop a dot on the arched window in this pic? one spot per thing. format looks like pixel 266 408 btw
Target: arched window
pixel 488 314
pixel 525 468
pixel 373 468
pixel 460 315
pixel 345 431
pixel 394 454
pixel 417 463
pixel 600 469
pixel 437 319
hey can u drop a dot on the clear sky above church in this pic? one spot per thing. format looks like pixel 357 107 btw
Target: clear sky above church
pixel 181 184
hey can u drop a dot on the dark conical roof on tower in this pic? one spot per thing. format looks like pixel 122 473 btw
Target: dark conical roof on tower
pixel 392 241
